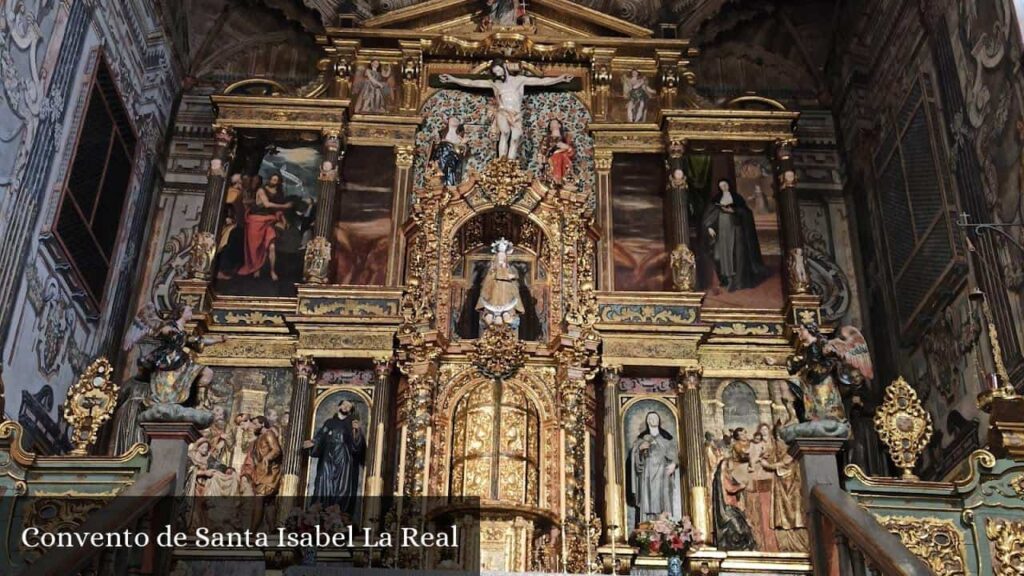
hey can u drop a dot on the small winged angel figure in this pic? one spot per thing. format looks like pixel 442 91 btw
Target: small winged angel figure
pixel 823 368
pixel 171 369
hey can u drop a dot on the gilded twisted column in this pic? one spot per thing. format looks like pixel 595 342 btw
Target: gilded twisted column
pixel 300 408
pixel 204 243
pixel 316 267
pixel 692 435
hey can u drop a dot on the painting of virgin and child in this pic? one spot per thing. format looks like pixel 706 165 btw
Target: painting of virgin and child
pixel 269 209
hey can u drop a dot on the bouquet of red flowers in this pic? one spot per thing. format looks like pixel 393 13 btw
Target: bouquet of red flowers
pixel 664 536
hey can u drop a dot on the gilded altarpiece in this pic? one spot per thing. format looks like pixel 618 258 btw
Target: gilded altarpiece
pixel 518 401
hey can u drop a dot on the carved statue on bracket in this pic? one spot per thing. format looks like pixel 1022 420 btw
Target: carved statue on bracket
pixel 172 368
pixel 823 367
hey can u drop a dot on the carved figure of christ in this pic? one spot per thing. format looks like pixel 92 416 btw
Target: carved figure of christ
pixel 509 90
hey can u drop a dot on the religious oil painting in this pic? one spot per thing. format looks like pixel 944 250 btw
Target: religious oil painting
pixel 653 474
pixel 374 88
pixel 754 494
pixel 740 253
pixel 337 450
pixel 241 452
pixel 268 214
pixel 638 232
pixel 636 102
pixel 362 232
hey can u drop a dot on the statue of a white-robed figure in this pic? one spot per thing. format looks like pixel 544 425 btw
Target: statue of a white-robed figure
pixel 499 302
pixel 509 91
pixel 653 472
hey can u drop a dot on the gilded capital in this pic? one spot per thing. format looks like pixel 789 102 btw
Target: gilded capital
pixel 382 367
pixel 305 367
pixel 224 136
pixel 404 156
pixel 603 160
pixel 689 378
pixel 612 373
pixel 676 147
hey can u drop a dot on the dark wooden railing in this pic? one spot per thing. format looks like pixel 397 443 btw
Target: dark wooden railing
pixel 860 539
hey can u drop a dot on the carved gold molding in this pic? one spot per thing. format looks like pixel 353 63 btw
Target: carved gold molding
pixel 279 112
pixel 937 542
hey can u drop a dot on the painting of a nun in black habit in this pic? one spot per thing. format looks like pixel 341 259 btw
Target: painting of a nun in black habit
pixel 730 237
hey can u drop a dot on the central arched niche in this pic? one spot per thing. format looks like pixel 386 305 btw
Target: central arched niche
pixel 496 445
pixel 472 255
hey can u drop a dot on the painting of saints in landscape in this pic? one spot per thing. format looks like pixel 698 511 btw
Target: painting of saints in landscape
pixel 638 232
pixel 362 232
pixel 269 209
pixel 652 462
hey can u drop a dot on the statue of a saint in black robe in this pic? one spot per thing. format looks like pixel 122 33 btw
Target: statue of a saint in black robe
pixel 730 237
pixel 339 447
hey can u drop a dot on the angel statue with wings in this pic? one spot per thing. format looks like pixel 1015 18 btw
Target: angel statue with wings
pixel 172 368
pixel 823 367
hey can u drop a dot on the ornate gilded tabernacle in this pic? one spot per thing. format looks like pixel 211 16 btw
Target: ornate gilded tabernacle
pixel 904 426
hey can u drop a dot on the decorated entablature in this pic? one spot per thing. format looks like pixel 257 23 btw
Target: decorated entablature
pixel 525 187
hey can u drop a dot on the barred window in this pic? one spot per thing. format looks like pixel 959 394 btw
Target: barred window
pixel 93 198
pixel 922 249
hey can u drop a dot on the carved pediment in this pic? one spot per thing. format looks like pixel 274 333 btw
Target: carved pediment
pixel 549 18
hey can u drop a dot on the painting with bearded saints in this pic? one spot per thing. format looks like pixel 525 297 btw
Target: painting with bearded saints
pixel 268 213
pixel 241 452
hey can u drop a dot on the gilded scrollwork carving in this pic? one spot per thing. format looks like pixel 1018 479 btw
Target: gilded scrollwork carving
pixel 499 353
pixel 937 542
pixel 796 271
pixel 684 269
pixel 201 256
pixel 1007 541
pixel 503 182
pixel 903 425
pixel 91 401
